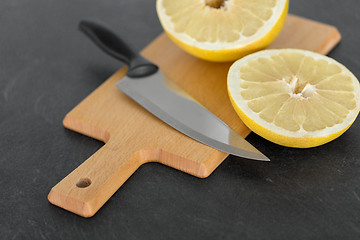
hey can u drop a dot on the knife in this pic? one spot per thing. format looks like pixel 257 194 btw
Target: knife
pixel 148 86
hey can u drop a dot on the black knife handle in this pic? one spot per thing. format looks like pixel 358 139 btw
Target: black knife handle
pixel 113 45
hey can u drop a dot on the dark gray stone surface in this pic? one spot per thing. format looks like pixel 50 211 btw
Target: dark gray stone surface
pixel 47 67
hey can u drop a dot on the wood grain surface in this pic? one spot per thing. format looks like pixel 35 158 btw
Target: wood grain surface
pixel 133 136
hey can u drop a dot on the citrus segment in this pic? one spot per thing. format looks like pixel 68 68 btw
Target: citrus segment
pixel 222 30
pixel 293 97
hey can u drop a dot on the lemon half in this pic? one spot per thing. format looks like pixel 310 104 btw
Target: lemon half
pixel 294 98
pixel 222 30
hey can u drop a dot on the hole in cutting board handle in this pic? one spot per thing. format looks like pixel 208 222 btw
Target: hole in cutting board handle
pixel 83 183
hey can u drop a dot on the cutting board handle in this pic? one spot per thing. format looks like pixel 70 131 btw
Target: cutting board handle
pixel 90 185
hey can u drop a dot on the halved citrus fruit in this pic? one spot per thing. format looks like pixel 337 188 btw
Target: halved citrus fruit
pixel 222 30
pixel 294 98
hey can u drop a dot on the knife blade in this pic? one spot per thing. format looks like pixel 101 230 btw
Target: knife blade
pixel 149 87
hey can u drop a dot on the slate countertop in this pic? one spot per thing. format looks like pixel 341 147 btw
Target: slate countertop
pixel 47 67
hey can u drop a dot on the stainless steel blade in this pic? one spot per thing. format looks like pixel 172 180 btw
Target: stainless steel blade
pixel 181 112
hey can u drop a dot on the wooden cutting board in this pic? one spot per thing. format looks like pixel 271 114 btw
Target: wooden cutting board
pixel 133 136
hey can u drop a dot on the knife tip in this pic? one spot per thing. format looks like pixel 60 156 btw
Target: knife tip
pixel 258 156
pixel 264 158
